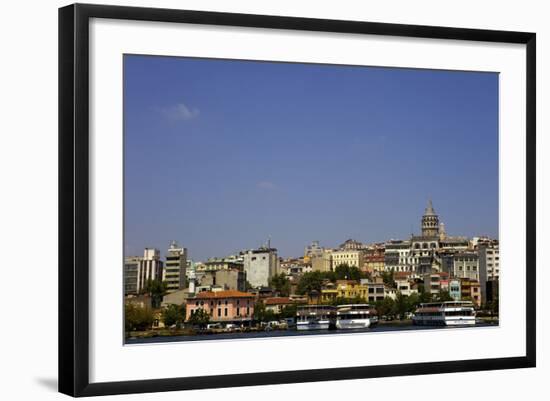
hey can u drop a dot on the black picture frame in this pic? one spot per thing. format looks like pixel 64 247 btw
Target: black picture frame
pixel 74 198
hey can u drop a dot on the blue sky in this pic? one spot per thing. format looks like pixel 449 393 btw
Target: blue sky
pixel 221 154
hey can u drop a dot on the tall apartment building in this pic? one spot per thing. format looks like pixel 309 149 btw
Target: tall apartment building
pixel 131 271
pixel 489 267
pixel 175 267
pixel 150 267
pixel 260 265
pixel 138 270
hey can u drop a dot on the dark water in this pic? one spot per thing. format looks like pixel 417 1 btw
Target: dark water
pixel 291 333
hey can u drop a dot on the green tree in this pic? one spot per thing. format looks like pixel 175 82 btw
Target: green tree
pixel 328 275
pixel 137 318
pixel 387 277
pixel 413 301
pixel 309 282
pixel 444 296
pixel 173 315
pixel 385 307
pixel 156 289
pixel 199 318
pixel 401 305
pixel 280 283
pixel 289 311
pixel 346 272
pixel 262 314
pixel 424 296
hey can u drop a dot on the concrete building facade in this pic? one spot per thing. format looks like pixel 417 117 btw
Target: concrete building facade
pixel 174 272
pixel 260 265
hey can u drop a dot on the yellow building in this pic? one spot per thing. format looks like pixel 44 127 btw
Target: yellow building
pixel 347 257
pixel 344 289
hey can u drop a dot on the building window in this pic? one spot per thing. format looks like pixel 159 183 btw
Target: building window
pixel 225 312
pixel 219 312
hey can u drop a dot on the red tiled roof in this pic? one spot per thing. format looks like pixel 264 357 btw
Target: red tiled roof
pixel 278 301
pixel 223 294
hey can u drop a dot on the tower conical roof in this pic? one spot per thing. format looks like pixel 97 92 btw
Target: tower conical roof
pixel 430 209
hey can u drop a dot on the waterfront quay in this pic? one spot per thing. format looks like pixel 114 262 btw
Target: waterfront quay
pixel 166 337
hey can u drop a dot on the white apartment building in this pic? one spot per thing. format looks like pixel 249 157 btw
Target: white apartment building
pixel 138 270
pixel 398 257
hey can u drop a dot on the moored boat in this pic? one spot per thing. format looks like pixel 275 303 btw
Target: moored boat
pixel 355 316
pixel 449 313
pixel 316 317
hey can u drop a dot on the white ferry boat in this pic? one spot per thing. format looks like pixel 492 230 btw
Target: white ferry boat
pixel 316 317
pixel 355 316
pixel 450 313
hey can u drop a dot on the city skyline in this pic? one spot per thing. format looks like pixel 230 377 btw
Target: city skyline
pixel 222 155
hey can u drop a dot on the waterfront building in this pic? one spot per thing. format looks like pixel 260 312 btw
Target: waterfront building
pixel 179 297
pixel 299 269
pixel 432 282
pixel 277 304
pixel 174 272
pixel 260 265
pixel 351 289
pixel 470 290
pixel 491 291
pixel 466 265
pixel 313 250
pixel 376 292
pixel 150 267
pixel 397 256
pixel 350 257
pixel 454 244
pixel 323 262
pixel 351 244
pixel 227 279
pixel 489 264
pixel 405 286
pixel 454 289
pixel 215 264
pixel 139 270
pixel 223 306
pixel 374 258
pixel 329 294
pixel 131 271
pixel 142 301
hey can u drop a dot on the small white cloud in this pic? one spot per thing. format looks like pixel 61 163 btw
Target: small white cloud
pixel 180 112
pixel 268 185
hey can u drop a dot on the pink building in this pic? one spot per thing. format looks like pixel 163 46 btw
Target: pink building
pixel 223 306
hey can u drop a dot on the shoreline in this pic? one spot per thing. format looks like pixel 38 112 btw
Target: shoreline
pixel 183 335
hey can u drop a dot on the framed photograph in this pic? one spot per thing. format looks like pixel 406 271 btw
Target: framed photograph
pixel 262 199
